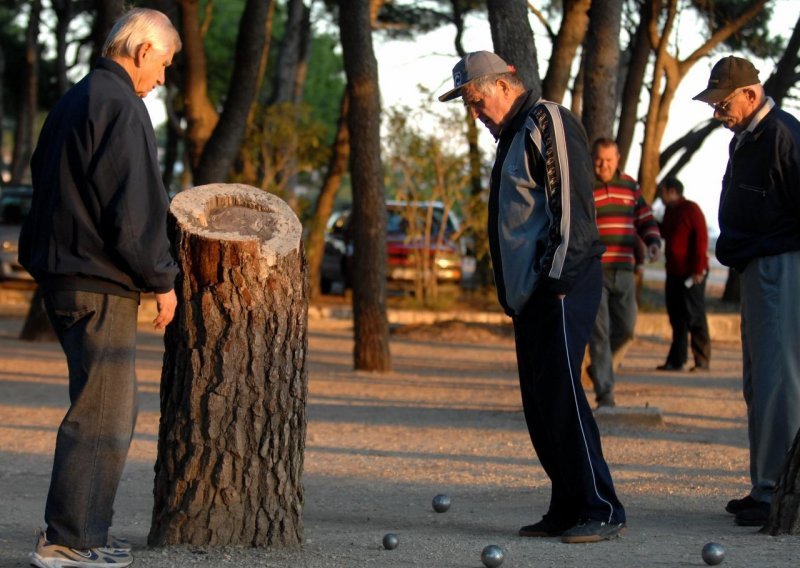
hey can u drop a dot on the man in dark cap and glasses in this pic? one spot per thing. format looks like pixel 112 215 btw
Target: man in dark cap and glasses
pixel 546 259
pixel 759 221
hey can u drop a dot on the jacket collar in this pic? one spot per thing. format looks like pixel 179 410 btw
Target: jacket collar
pixel 115 68
pixel 516 122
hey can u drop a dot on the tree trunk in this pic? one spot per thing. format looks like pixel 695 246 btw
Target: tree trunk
pixel 37 325
pixel 569 38
pixel 784 514
pixel 234 382
pixel 223 146
pixel 106 13
pixel 23 135
pixel 337 166
pixel 638 54
pixel 201 116
pixel 602 64
pixel 370 324
pixel 512 38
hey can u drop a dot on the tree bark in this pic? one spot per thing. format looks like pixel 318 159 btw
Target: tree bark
pixel 234 382
pixel 23 135
pixel 638 54
pixel 600 73
pixel 223 146
pixel 337 166
pixel 570 37
pixel 201 116
pixel 512 39
pixel 371 326
pixel 784 514
pixel 37 325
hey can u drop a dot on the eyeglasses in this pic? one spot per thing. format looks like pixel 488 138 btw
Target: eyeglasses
pixel 723 105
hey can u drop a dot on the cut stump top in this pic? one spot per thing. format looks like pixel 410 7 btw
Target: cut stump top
pixel 238 212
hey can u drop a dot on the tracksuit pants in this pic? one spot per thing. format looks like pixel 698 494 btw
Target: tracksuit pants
pixel 551 336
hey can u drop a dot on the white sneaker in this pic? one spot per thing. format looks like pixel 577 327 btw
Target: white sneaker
pixel 49 555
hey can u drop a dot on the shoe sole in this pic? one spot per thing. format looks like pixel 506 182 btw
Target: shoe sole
pixel 38 561
pixel 589 538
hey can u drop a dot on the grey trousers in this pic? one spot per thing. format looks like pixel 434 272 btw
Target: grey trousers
pixel 98 335
pixel 771 364
pixel 613 329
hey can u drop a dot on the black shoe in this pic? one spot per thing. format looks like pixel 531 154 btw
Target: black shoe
pixel 606 400
pixel 543 528
pixel 736 505
pixel 592 530
pixel 699 369
pixel 756 516
pixel 669 367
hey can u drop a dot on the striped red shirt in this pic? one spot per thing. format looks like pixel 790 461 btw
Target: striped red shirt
pixel 622 213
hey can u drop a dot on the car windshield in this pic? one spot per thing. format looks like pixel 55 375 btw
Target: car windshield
pixel 399 221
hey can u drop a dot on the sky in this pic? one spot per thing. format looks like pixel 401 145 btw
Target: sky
pixel 428 60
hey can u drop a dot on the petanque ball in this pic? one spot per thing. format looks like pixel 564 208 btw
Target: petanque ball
pixel 390 541
pixel 713 553
pixel 492 556
pixel 441 503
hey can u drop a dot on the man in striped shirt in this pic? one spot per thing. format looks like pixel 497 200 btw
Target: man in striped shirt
pixel 622 214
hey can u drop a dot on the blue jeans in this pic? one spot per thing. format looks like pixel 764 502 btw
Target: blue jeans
pixel 98 335
pixel 613 328
pixel 771 365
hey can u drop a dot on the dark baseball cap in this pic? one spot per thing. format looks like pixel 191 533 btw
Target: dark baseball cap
pixel 474 66
pixel 727 75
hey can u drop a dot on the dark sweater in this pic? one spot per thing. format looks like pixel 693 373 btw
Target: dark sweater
pixel 98 218
pixel 686 236
pixel 759 210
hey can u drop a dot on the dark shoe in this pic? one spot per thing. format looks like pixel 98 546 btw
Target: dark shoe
pixel 543 528
pixel 756 516
pixel 669 367
pixel 699 369
pixel 592 531
pixel 606 400
pixel 735 506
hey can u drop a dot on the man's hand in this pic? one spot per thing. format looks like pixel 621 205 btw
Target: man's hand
pixel 166 303
pixel 698 278
pixel 654 251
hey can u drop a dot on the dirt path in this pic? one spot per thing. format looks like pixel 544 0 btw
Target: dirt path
pixel 447 420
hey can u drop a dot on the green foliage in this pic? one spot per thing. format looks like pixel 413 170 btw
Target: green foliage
pixel 288 137
pixel 754 38
pixel 325 83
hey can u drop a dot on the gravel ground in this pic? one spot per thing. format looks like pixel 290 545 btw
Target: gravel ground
pixel 446 420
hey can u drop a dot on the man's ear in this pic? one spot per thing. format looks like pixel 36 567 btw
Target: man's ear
pixel 143 51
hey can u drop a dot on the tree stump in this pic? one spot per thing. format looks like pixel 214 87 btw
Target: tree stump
pixel 234 382
pixel 784 514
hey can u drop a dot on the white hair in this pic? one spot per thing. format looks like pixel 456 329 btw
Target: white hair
pixel 138 26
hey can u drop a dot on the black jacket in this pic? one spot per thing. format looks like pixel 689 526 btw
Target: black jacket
pixel 98 218
pixel 759 210
pixel 542 221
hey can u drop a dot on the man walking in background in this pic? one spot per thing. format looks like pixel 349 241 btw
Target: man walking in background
pixel 546 259
pixel 94 240
pixel 759 222
pixel 622 213
pixel 686 244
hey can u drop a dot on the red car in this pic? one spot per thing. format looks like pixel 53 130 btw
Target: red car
pixel 406 245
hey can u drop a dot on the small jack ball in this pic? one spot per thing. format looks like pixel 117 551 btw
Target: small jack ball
pixel 441 503
pixel 492 556
pixel 713 553
pixel 390 541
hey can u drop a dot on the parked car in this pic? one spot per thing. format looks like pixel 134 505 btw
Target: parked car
pixel 15 203
pixel 402 246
